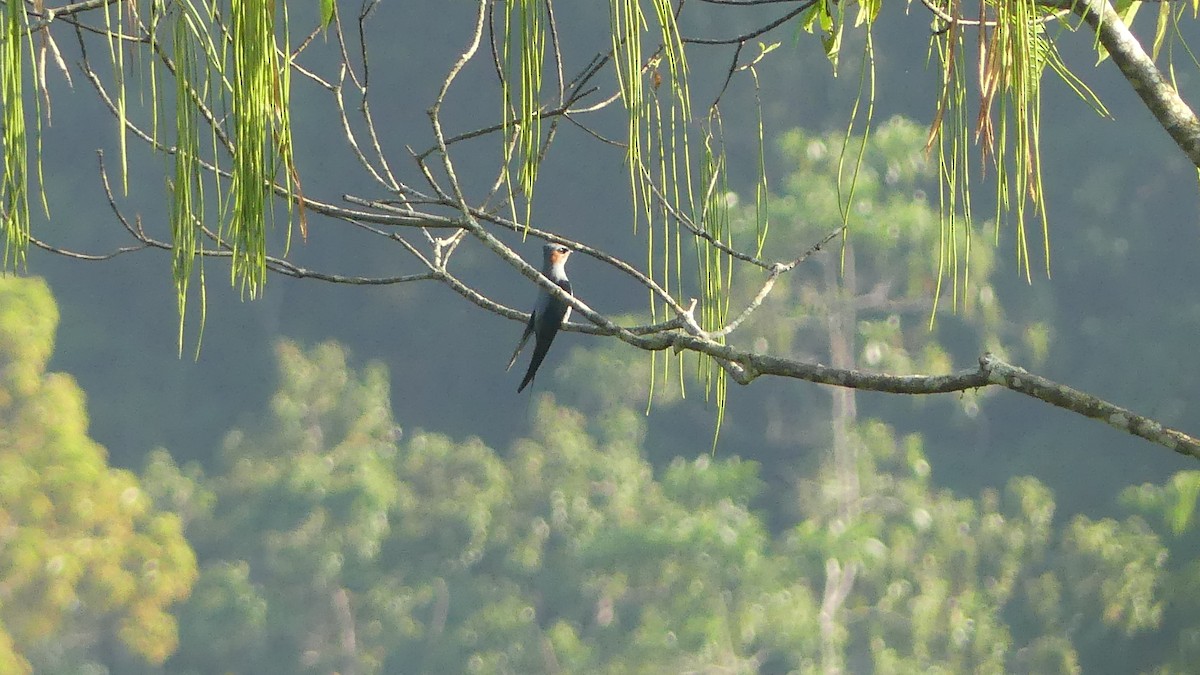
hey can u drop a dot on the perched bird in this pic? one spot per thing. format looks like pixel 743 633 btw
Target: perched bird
pixel 549 312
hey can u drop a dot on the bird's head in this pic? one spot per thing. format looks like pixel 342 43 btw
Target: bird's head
pixel 556 254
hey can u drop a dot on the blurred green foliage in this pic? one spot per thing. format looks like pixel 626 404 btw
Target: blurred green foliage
pixel 85 557
pixel 331 542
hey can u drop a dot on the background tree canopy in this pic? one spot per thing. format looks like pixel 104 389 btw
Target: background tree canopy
pixel 274 507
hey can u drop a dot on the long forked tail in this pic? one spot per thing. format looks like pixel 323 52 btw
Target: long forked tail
pixel 521 343
pixel 539 354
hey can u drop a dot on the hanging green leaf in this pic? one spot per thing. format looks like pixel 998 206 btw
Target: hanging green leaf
pixel 261 134
pixel 14 192
pixel 327 9
pixel 187 196
pixel 523 134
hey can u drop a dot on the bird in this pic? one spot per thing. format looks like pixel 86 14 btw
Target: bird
pixel 548 313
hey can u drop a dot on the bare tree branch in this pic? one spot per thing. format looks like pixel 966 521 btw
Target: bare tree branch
pixel 1062 396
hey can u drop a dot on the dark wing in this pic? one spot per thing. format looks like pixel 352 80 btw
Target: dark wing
pixel 546 327
pixel 524 339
